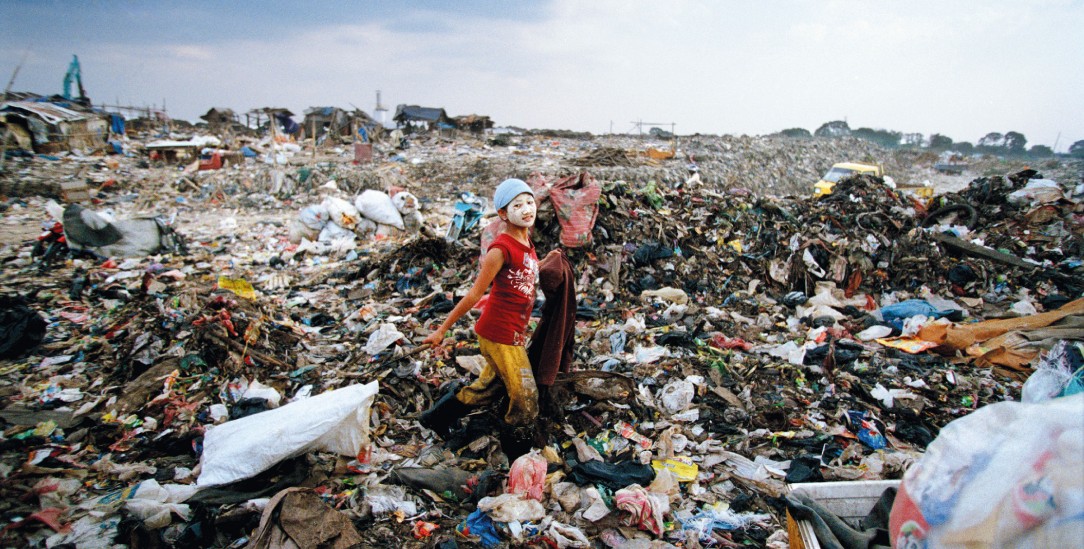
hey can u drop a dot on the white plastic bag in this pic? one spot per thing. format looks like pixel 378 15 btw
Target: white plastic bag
pixel 1054 375
pixel 567 536
pixel 379 207
pixel 382 338
pixel 336 421
pixel 154 504
pixel 512 507
pixel 647 355
pixel 676 396
pixel 259 390
pixel 1037 191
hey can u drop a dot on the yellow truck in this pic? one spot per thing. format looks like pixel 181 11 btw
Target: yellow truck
pixel 842 170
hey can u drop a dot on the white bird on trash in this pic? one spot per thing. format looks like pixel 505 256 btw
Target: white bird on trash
pixel 100 234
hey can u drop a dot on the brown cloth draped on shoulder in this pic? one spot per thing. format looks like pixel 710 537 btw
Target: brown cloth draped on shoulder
pixel 550 350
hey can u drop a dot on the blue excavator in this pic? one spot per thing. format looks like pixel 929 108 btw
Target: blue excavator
pixel 75 74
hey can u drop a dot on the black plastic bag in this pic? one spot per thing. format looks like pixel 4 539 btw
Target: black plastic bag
pixel 614 476
pixel 21 328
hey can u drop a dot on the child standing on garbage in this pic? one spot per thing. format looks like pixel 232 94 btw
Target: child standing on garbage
pixel 511 266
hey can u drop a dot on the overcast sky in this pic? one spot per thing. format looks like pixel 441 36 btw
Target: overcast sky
pixel 959 68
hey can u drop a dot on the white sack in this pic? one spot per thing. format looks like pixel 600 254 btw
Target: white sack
pixel 336 421
pixel 405 202
pixel 341 212
pixel 314 216
pixel 379 207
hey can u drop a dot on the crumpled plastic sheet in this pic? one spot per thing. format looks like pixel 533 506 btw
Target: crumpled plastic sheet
pixel 512 507
pixel 479 525
pixel 382 338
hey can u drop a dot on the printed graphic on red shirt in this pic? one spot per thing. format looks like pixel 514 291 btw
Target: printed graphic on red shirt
pixel 523 280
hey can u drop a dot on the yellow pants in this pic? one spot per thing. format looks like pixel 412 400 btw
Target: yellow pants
pixel 507 369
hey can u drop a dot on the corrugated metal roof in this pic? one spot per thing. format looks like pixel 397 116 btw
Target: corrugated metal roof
pixel 47 111
pixel 414 112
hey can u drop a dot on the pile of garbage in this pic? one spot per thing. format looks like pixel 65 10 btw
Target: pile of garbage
pixel 263 384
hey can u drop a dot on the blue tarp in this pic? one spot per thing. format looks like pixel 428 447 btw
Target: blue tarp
pixel 288 124
pixel 116 124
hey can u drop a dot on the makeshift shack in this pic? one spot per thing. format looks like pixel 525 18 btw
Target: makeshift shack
pixel 219 118
pixel 53 128
pixel 474 123
pixel 324 121
pixel 172 150
pixel 258 118
pixel 413 117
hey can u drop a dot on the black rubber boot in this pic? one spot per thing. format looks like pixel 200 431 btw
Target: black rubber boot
pixel 516 441
pixel 446 411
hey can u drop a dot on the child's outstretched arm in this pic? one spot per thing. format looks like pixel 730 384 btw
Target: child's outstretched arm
pixel 491 265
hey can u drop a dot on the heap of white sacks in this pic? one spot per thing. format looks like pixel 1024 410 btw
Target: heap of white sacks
pixel 372 213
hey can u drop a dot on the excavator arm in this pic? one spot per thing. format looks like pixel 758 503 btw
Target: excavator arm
pixel 74 74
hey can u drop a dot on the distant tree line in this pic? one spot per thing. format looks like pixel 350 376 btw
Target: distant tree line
pixel 1008 144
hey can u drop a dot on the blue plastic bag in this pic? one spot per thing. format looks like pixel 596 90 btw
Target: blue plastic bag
pixel 896 313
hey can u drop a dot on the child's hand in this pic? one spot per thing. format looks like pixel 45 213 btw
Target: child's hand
pixel 435 339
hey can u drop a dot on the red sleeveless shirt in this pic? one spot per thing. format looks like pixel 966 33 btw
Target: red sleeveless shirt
pixel 512 295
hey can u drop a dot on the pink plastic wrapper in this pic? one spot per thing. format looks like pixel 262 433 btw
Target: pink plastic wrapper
pixel 528 476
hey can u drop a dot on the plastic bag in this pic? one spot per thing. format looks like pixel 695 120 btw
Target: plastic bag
pixel 336 421
pixel 1059 373
pixel 155 504
pixel 382 338
pixel 379 207
pixel 594 508
pixel 21 328
pixel 259 390
pixel 528 475
pixel 647 355
pixel 478 527
pixel 565 535
pixel 874 332
pixel 1007 475
pixel 889 396
pixel 677 396
pixel 384 499
pixel 298 230
pixel 512 507
pixel 575 199
pixel 895 314
pixel 1037 191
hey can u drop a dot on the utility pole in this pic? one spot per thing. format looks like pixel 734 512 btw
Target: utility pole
pixel 640 125
pixel 7 90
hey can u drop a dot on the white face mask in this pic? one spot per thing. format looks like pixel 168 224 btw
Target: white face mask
pixel 521 211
